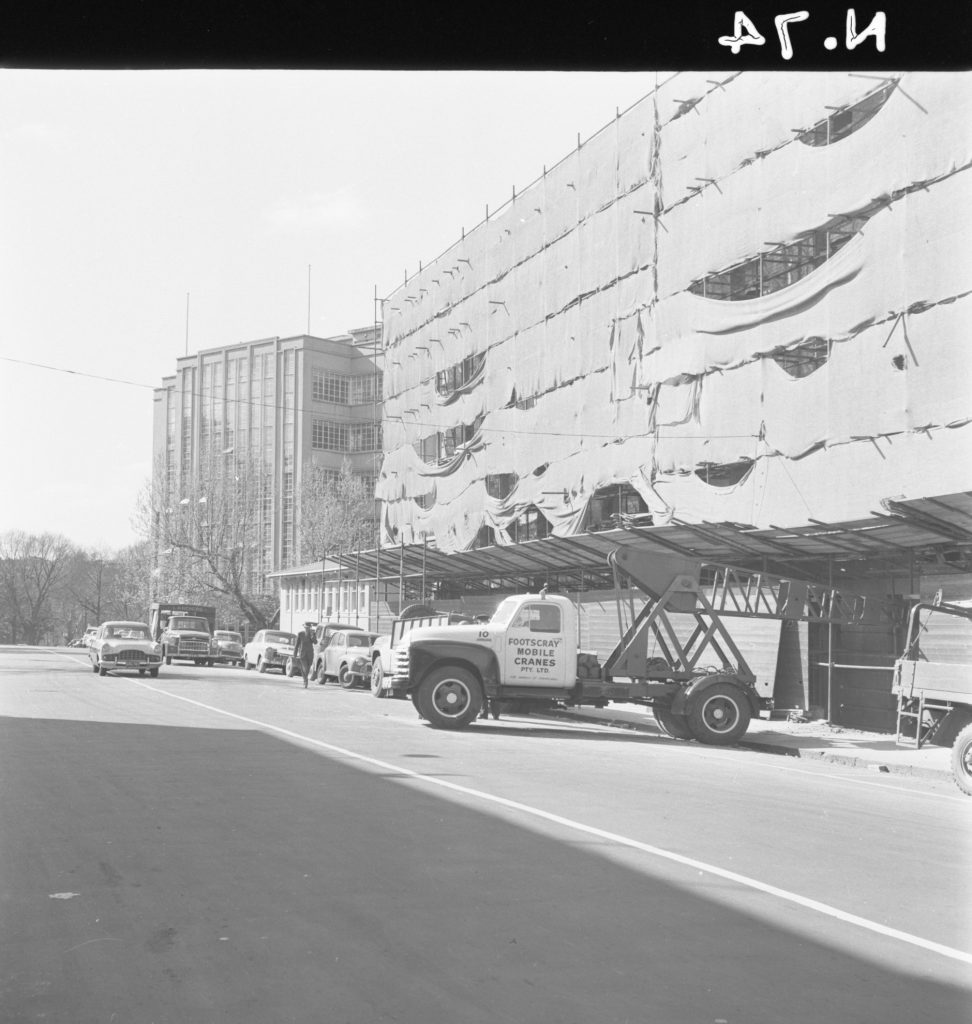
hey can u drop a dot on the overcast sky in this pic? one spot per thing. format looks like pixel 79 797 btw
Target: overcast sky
pixel 121 192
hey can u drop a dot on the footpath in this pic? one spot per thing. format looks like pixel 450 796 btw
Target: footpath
pixel 820 740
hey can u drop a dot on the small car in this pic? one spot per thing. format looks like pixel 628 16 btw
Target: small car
pixel 347 658
pixel 270 648
pixel 124 647
pixel 88 636
pixel 322 637
pixel 228 646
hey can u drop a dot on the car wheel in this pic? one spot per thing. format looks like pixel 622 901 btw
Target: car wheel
pixel 377 678
pixel 345 678
pixel 261 666
pixel 718 714
pixel 450 697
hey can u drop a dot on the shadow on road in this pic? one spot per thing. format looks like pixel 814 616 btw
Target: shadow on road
pixel 233 876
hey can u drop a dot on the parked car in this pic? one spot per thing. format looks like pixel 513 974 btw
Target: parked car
pixel 347 658
pixel 322 637
pixel 88 636
pixel 270 648
pixel 228 646
pixel 124 647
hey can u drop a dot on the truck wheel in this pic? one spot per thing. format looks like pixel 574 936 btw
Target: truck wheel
pixel 413 697
pixel 102 671
pixel 168 660
pixel 718 714
pixel 962 760
pixel 377 677
pixel 154 673
pixel 450 697
pixel 670 724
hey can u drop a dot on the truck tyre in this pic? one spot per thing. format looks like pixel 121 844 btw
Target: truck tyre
pixel 377 678
pixel 102 671
pixel 718 714
pixel 962 760
pixel 672 725
pixel 168 659
pixel 154 673
pixel 450 697
pixel 413 697
pixel 417 611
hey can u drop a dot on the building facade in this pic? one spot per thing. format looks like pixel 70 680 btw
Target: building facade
pixel 745 300
pixel 280 404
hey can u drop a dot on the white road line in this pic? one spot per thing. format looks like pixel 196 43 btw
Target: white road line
pixel 577 826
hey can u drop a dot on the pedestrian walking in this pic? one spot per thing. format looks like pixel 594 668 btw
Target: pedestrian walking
pixel 304 650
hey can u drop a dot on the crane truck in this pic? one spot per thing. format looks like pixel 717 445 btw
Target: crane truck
pixel 675 654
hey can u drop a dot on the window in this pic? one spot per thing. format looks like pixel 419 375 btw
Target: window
pixel 845 122
pixel 780 267
pixel 463 374
pixel 802 360
pixel 724 475
pixel 365 389
pixel 329 436
pixel 538 618
pixel 531 525
pixel 499 485
pixel 441 446
pixel 330 387
pixel 364 437
pixel 610 505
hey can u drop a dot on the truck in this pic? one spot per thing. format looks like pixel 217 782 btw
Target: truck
pixel 185 631
pixel 382 650
pixel 674 655
pixel 935 696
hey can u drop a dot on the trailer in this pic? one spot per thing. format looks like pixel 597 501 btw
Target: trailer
pixel 935 697
pixel 675 654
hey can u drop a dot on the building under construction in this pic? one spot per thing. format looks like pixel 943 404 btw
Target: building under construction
pixel 733 324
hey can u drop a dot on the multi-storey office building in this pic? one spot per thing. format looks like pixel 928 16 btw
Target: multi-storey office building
pixel 279 403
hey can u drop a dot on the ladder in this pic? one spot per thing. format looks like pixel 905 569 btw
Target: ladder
pixel 912 708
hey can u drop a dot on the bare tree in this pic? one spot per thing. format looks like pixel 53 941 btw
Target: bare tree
pixel 33 570
pixel 206 537
pixel 336 512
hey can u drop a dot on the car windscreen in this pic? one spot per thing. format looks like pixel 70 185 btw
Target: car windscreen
pixel 189 622
pixel 360 640
pixel 280 638
pixel 127 633
pixel 233 638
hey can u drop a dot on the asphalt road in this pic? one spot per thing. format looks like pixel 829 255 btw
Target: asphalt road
pixel 220 846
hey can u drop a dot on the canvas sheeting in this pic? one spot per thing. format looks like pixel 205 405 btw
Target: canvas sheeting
pixel 602 367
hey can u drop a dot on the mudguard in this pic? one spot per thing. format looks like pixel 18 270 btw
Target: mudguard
pixel 427 654
pixel 701 683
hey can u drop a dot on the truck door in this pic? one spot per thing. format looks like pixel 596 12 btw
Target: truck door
pixel 535 653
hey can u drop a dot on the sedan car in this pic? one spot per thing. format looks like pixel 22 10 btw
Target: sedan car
pixel 88 636
pixel 347 658
pixel 228 646
pixel 270 648
pixel 124 647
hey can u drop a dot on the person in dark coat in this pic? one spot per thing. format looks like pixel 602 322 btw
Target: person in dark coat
pixel 304 650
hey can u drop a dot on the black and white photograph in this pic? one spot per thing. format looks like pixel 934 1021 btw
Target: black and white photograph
pixel 489 542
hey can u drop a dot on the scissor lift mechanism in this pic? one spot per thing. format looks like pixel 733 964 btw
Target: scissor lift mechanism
pixel 674 584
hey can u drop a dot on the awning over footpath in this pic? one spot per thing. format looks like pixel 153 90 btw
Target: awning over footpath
pixel 901 537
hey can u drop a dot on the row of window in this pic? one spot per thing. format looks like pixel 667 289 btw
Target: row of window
pixel 441 446
pixel 346 390
pixel 328 435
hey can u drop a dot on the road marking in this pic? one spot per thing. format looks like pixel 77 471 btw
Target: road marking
pixel 614 837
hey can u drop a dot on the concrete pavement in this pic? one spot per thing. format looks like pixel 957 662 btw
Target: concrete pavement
pixel 816 739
